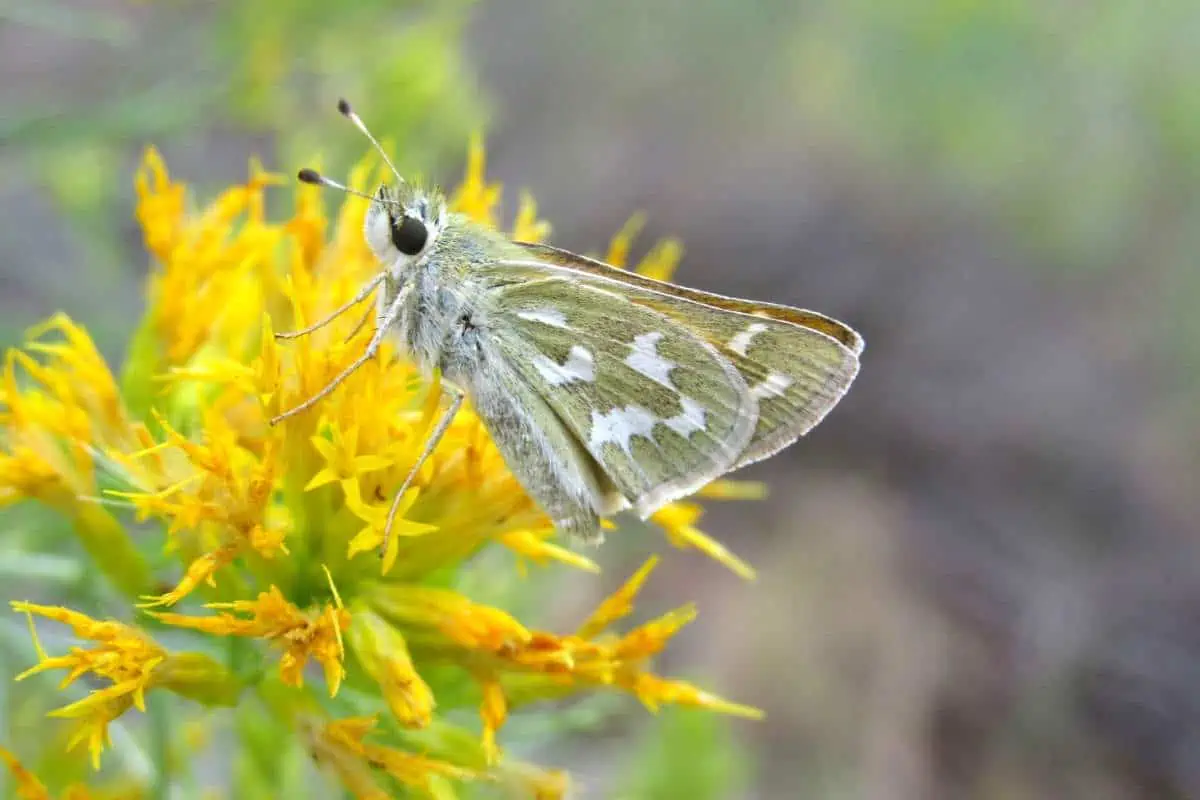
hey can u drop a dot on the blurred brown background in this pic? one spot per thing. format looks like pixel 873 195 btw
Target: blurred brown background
pixel 979 577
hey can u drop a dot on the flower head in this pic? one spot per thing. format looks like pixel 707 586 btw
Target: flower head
pixel 274 528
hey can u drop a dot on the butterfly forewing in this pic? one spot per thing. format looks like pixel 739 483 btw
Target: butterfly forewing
pixel 796 372
pixel 548 255
pixel 661 411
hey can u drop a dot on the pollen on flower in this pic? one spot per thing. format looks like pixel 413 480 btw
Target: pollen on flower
pixel 343 461
pixel 205 286
pixel 368 539
pixel 124 655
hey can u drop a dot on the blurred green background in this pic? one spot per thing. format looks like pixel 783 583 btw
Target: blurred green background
pixel 979 578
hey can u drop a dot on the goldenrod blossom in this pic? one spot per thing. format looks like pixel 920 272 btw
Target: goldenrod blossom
pixel 444 625
pixel 131 661
pixel 259 523
pixel 273 619
pixel 384 655
pixel 61 416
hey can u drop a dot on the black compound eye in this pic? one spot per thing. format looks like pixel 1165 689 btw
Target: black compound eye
pixel 409 235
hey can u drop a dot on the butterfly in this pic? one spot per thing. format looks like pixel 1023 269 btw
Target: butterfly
pixel 602 389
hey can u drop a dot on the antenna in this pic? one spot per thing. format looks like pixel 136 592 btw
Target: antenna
pixel 307 175
pixel 346 111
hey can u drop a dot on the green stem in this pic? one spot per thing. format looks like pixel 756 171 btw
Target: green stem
pixel 143 362
pixel 109 545
pixel 160 745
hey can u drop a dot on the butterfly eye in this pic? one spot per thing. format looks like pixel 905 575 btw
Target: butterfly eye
pixel 409 235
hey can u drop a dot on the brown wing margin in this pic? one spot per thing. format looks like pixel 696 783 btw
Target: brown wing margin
pixel 796 316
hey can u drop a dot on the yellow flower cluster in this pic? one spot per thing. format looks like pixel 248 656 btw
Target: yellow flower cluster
pixel 275 528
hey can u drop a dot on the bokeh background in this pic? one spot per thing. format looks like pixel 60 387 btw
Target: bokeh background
pixel 979 578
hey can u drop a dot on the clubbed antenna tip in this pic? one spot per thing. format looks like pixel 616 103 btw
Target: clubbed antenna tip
pixel 307 175
pixel 346 111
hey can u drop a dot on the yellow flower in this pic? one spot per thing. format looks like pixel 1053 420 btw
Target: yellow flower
pixel 226 491
pixel 476 197
pixel 28 787
pixel 205 285
pixel 340 744
pixel 131 661
pixel 383 652
pixel 62 416
pixel 444 625
pixel 273 619
pixel 677 521
pixel 264 521
pixel 125 656
pixel 343 461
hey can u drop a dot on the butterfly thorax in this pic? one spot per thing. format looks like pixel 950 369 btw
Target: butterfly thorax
pixel 442 298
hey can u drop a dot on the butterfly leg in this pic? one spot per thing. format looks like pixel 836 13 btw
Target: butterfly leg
pixel 385 322
pixel 363 293
pixel 431 443
pixel 358 326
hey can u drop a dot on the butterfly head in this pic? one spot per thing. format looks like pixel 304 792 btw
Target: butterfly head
pixel 402 224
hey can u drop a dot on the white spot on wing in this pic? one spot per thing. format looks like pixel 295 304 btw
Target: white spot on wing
pixel 547 316
pixel 774 385
pixel 620 425
pixel 691 419
pixel 740 343
pixel 579 366
pixel 645 359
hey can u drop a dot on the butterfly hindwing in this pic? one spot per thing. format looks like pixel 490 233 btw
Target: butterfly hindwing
pixel 660 410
